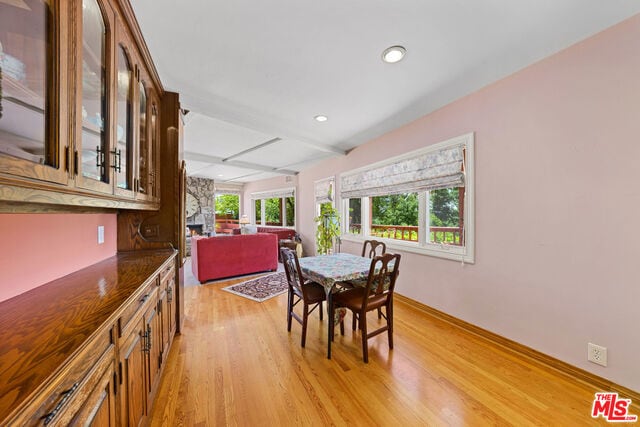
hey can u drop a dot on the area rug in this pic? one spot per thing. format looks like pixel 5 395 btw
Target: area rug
pixel 262 288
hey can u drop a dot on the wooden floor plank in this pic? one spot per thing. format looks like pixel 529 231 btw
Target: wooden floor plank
pixel 235 364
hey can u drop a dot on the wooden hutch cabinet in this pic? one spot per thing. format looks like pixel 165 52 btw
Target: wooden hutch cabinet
pixel 86 126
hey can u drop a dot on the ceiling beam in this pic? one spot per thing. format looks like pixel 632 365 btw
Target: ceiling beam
pixel 249 150
pixel 242 176
pixel 323 147
pixel 214 160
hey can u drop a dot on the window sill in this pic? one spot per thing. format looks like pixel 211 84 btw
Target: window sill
pixel 450 252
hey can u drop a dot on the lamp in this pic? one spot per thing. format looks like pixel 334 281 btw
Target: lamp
pixel 244 220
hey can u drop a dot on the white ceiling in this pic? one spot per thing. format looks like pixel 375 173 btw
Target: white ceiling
pixel 251 72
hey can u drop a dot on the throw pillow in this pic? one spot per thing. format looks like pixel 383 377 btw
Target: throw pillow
pixel 249 229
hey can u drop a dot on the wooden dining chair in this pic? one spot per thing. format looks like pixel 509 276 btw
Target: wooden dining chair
pixel 371 248
pixel 377 293
pixel 310 293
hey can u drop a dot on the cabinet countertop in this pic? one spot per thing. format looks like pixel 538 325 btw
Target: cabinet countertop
pixel 42 328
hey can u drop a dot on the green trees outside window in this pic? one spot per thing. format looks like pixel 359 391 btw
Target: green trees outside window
pixel 273 211
pixel 290 205
pixel 396 216
pixel 258 211
pixel 228 205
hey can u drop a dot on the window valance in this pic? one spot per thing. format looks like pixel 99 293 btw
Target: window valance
pixel 324 190
pixel 273 194
pixel 224 188
pixel 428 169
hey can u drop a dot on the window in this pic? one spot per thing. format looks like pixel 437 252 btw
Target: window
pixel 273 211
pixel 274 208
pixel 258 212
pixel 420 202
pixel 446 216
pixel 354 211
pixel 290 208
pixel 227 206
pixel 395 216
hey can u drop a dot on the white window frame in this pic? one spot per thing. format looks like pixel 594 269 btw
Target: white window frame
pixel 464 253
pixel 273 194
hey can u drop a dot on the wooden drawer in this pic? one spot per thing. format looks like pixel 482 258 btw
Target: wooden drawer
pixel 144 298
pixel 60 394
pixel 168 271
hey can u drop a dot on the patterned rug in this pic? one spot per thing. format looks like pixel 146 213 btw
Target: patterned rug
pixel 262 288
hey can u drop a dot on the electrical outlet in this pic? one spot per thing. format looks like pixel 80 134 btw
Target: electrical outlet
pixel 149 231
pixel 100 234
pixel 597 354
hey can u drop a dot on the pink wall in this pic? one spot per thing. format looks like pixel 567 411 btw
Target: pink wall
pixel 557 203
pixel 37 248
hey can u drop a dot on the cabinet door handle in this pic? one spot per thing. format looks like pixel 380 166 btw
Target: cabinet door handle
pixel 149 340
pixel 99 157
pixel 144 336
pixel 117 160
pixel 170 294
pixel 67 156
pixel 66 395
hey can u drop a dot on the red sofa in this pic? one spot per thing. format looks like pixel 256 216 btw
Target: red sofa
pixel 226 256
pixel 281 232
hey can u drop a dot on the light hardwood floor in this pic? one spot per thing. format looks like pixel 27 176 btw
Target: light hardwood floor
pixel 235 364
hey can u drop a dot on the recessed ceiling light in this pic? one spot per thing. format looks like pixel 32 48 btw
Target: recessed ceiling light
pixel 321 118
pixel 220 174
pixel 393 54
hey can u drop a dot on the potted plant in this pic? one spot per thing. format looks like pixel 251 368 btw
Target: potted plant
pixel 328 228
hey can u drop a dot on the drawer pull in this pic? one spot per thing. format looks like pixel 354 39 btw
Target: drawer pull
pixel 66 395
pixel 144 299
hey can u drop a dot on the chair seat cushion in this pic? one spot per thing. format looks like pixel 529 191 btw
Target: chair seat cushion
pixel 352 299
pixel 315 292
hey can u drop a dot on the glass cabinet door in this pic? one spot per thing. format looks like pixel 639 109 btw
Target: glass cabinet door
pixel 92 152
pixel 154 152
pixel 28 92
pixel 123 152
pixel 147 138
pixel 143 140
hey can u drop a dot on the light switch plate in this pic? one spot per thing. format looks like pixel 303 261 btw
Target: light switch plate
pixel 100 234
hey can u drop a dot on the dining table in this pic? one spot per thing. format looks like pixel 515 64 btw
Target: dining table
pixel 328 270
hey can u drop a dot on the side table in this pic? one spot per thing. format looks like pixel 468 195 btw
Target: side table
pixel 291 244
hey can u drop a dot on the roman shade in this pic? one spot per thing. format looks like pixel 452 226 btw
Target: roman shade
pixel 418 171
pixel 324 189
pixel 226 188
pixel 273 194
